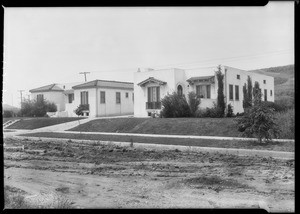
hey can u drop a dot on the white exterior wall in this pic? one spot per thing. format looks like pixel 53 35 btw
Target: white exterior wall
pixel 56 97
pixel 110 107
pixel 173 77
pixel 231 79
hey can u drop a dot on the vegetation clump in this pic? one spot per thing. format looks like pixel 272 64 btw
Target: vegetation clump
pixel 37 108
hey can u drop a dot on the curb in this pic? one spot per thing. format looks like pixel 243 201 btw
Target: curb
pixel 238 152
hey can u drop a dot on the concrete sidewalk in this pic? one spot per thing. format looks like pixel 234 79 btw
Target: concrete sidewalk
pixel 173 136
pixel 238 152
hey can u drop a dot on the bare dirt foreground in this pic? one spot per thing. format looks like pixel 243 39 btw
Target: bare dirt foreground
pixel 91 175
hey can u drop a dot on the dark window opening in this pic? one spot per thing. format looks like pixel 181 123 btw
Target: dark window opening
pixel 84 97
pixel 118 97
pixel 179 90
pixel 203 91
pixel 126 94
pixel 266 95
pixel 231 92
pixel 237 95
pixel 271 93
pixel 71 97
pixel 102 96
pixel 238 76
pixel 40 97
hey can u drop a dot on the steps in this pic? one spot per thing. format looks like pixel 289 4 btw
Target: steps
pixel 8 123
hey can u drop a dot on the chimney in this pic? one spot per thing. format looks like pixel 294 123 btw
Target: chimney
pixel 139 70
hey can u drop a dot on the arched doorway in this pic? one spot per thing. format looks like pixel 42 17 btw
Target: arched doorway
pixel 179 90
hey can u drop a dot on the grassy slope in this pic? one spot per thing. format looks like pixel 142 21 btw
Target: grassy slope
pixel 34 123
pixel 284 80
pixel 275 146
pixel 178 126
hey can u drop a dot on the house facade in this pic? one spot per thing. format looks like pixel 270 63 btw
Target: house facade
pixel 98 98
pixel 150 86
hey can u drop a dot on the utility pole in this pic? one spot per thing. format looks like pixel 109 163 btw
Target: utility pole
pixel 84 74
pixel 21 96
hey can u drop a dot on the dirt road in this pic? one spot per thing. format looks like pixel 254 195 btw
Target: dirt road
pixel 91 175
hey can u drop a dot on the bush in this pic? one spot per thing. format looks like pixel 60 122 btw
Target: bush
pixel 214 112
pixel 174 105
pixel 275 106
pixel 285 103
pixel 286 123
pixel 7 113
pixel 37 108
pixel 229 111
pixel 194 103
pixel 259 122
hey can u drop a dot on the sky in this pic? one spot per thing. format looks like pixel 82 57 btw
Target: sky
pixel 53 45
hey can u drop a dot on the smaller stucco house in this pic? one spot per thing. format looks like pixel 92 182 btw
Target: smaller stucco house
pixel 150 86
pixel 98 98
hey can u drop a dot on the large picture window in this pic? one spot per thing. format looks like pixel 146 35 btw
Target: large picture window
pixel 203 91
pixel 84 97
pixel 153 94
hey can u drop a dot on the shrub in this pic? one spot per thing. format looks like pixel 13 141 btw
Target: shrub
pixel 275 106
pixel 174 105
pixel 79 110
pixel 286 123
pixel 194 103
pixel 7 113
pixel 259 122
pixel 285 103
pixel 214 112
pixel 37 108
pixel 229 111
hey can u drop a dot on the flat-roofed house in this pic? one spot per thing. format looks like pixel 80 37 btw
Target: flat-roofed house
pixel 150 86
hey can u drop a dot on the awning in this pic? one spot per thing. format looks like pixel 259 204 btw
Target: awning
pixel 151 80
pixel 204 79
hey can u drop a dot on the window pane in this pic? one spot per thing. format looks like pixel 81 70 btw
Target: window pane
pixel 158 94
pixel 154 94
pixel 102 96
pixel 198 90
pixel 118 97
pixel 266 94
pixel 149 95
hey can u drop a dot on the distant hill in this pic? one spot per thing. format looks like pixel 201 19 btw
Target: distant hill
pixel 283 79
pixel 10 108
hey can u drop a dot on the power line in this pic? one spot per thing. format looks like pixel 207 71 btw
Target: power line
pixel 203 61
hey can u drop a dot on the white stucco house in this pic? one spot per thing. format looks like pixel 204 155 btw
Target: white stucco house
pixel 150 86
pixel 98 97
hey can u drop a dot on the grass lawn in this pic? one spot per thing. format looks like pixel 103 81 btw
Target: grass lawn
pixel 172 126
pixel 34 123
pixel 274 146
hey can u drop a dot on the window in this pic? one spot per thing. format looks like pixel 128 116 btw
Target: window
pixel 126 94
pixel 238 76
pixel 118 97
pixel 264 81
pixel 208 91
pixel 265 94
pixel 179 90
pixel 84 97
pixel 153 94
pixel 71 97
pixel 133 97
pixel 271 93
pixel 40 97
pixel 102 96
pixel 231 92
pixel 237 95
pixel 203 91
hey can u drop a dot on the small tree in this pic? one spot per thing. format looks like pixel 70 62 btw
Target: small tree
pixel 37 108
pixel 220 99
pixel 175 105
pixel 194 103
pixel 259 120
pixel 247 92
